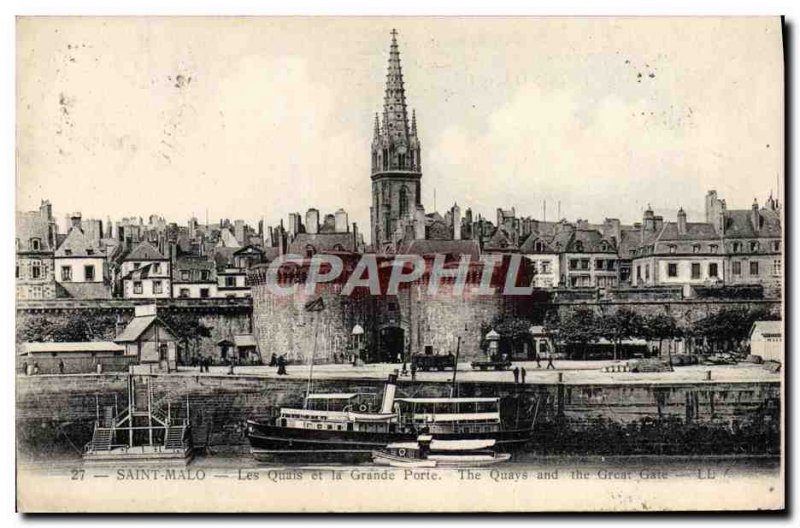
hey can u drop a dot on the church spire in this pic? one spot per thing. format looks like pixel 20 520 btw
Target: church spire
pixel 394 101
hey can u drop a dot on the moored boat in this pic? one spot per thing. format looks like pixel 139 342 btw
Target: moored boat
pixel 429 453
pixel 348 425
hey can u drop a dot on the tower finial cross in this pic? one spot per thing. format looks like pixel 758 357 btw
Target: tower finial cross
pixel 394 33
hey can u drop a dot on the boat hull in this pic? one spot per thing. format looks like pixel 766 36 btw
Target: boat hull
pixel 270 442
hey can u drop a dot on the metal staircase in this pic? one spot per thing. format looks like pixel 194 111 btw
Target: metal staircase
pixel 174 438
pixel 102 439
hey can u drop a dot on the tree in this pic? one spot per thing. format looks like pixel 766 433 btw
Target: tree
pixel 514 332
pixel 660 327
pixel 729 327
pixel 619 326
pixel 188 329
pixel 578 327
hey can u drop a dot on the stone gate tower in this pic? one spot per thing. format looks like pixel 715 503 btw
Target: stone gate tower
pixel 396 163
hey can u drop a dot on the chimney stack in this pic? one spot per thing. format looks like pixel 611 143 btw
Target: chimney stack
pixel 681 221
pixel 755 217
pixel 75 220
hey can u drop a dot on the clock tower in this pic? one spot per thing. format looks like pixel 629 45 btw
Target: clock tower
pixel 396 162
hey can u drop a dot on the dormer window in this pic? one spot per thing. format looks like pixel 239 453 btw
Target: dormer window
pixel 673 248
pixel 737 247
pixel 603 246
pixel 90 251
pixel 538 246
pixel 578 246
pixel 696 248
pixel 713 248
pixel 754 247
pixel 36 244
pixel 776 245
pixel 68 252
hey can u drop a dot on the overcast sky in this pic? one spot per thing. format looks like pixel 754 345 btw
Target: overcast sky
pixel 259 117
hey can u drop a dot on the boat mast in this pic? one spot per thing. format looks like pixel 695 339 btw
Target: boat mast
pixel 454 388
pixel 315 306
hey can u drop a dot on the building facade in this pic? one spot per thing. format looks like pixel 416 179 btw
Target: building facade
pixel 35 243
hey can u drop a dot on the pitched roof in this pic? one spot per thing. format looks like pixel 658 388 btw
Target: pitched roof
pixel 767 327
pixel 32 224
pixel 444 247
pixel 78 245
pixel 589 241
pixel 137 327
pixel 739 224
pixel 694 231
pixel 144 251
pixel 322 243
pixel 81 346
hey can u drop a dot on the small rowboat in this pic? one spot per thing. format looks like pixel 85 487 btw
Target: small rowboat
pixel 429 453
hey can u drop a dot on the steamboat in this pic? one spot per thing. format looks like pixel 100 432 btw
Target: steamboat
pixel 348 427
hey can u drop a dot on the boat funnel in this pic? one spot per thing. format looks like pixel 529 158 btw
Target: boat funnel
pixel 388 393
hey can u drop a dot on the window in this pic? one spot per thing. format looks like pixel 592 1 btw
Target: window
pixel 230 282
pixel 36 244
pixel 88 273
pixel 183 293
pixel 137 287
pixel 66 273
pixel 599 263
pixel 204 275
pixel 776 267
pixel 156 268
pixel 639 272
pixel 712 270
pixel 90 251
pixel 713 248
pixel 17 275
pixel 36 269
pixel 695 270
pixel 579 246
pixel 696 248
pixel 737 268
pixel 185 275
pixel 673 248
pixel 157 287
pixel 776 245
pixel 538 246
pixel 204 293
pixel 403 202
pixel 737 247
pixel 672 269
pixel 545 267
pixel 68 252
pixel 647 271
pixel 137 265
pixel 754 246
pixel 573 264
pixel 754 268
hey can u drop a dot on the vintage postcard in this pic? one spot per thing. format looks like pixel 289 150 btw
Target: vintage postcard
pixel 308 264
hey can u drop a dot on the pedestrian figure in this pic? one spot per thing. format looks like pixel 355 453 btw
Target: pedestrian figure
pixel 281 366
pixel 273 361
pixel 538 359
pixel 399 358
pixel 35 368
pixel 550 361
pixel 413 371
pixel 60 366
pixel 404 372
pixel 24 368
pixel 516 374
pixel 522 373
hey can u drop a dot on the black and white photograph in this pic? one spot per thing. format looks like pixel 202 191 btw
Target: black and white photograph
pixel 399 264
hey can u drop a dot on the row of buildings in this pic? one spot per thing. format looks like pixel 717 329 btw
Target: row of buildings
pixel 155 259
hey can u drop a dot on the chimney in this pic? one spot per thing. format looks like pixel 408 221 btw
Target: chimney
pixel 355 236
pixel 456 216
pixel 341 221
pixel 659 222
pixel 75 220
pixel 755 217
pixel 312 221
pixel 681 221
pixel 649 220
